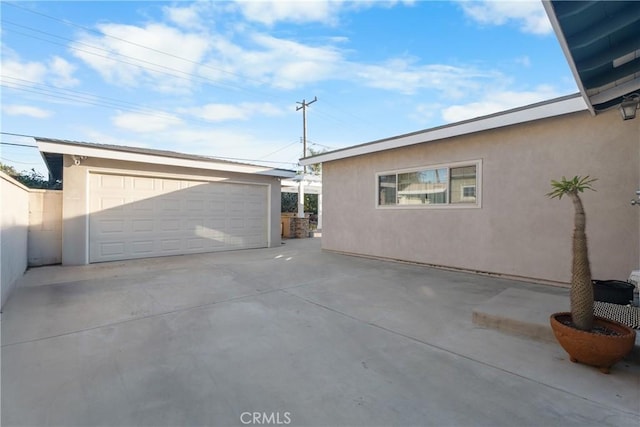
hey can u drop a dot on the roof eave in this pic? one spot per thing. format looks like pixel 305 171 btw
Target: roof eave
pixel 46 145
pixel 556 107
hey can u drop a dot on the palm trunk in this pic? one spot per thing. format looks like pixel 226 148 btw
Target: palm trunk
pixel 581 286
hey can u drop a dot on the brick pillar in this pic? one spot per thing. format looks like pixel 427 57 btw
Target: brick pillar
pixel 301 227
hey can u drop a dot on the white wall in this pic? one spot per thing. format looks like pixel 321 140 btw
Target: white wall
pixel 45 227
pixel 14 208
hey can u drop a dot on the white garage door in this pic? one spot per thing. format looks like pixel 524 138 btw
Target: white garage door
pixel 139 217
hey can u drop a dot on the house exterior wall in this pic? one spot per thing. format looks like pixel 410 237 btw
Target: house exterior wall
pixel 516 230
pixel 76 192
pixel 14 208
pixel 45 227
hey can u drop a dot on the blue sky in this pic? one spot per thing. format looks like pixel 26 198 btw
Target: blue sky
pixel 223 78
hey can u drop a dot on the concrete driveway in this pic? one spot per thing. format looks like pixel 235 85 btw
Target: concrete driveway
pixel 288 336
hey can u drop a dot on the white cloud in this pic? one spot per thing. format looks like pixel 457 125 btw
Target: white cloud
pixel 496 102
pixel 62 72
pixel 524 60
pixel 270 12
pixel 26 110
pixel 188 17
pixel 284 64
pixel 425 113
pixel 167 62
pixel 198 15
pixel 15 72
pixel 403 75
pixel 225 112
pixel 240 57
pixel 528 15
pixel 144 123
pixel 327 12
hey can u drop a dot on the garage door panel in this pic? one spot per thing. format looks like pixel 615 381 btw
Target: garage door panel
pixel 142 225
pixel 170 205
pixel 195 206
pixel 112 182
pixel 112 203
pixel 216 210
pixel 133 217
pixel 109 226
pixel 170 185
pixel 142 247
pixel 196 243
pixel 107 249
pixel 145 205
pixel 170 225
pixel 170 245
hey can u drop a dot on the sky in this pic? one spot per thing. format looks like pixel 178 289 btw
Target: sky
pixel 227 78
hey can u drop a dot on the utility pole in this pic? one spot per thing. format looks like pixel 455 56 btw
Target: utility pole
pixel 303 106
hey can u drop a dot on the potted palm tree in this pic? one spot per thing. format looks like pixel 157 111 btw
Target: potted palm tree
pixel 586 338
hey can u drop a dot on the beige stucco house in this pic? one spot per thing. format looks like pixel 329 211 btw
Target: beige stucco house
pixel 122 202
pixel 471 195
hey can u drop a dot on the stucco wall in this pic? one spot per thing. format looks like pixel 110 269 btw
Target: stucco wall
pixel 45 227
pixel 517 231
pixel 75 178
pixel 14 205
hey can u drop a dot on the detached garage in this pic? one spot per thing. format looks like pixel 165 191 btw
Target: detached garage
pixel 123 202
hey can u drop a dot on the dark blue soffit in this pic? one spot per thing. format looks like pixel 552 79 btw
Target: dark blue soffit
pixel 601 40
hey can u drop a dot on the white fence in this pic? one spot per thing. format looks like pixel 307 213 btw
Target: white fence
pixel 31 230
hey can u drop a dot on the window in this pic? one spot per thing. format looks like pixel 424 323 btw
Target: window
pixel 430 186
pixel 468 191
pixel 387 190
pixel 427 186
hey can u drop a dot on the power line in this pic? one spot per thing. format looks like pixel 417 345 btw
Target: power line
pixel 202 65
pixel 111 52
pixel 278 150
pixel 320 145
pixel 15 161
pixel 91 99
pixel 50 88
pixel 101 33
pixel 184 75
pixel 98 104
pixel 17 134
pixel 214 158
pixel 18 145
pixel 152 67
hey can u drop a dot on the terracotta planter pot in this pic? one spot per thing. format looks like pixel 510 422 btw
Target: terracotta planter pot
pixel 602 351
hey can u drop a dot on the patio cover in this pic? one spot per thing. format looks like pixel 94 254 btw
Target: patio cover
pixel 601 41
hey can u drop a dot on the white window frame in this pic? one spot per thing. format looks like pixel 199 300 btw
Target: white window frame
pixel 478 204
pixel 475 191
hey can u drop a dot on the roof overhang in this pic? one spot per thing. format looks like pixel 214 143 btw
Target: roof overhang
pixel 601 41
pixel 564 105
pixel 52 151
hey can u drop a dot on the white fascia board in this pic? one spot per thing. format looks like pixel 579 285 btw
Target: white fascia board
pixel 536 112
pixel 75 150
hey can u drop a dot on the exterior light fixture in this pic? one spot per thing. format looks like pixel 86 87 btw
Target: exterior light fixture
pixel 629 105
